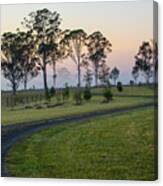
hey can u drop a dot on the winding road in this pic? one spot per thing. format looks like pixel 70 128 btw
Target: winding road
pixel 10 134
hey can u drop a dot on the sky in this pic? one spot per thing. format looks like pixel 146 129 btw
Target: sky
pixel 125 24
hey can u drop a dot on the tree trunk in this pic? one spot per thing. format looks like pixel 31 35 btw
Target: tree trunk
pixel 54 74
pixel 135 81
pixel 25 83
pixel 147 80
pixel 14 88
pixel 96 76
pixel 45 76
pixel 79 74
pixel 115 82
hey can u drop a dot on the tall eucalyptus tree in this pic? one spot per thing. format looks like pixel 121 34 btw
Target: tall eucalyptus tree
pixel 114 74
pixel 11 59
pixel 73 45
pixel 29 68
pixel 44 25
pixel 98 48
pixel 144 61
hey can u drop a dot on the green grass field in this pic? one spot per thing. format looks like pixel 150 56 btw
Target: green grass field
pixel 20 114
pixel 128 90
pixel 39 110
pixel 117 147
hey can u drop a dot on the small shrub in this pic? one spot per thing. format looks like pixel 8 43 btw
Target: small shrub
pixel 58 96
pixel 131 82
pixel 108 94
pixel 78 97
pixel 139 84
pixel 52 91
pixel 119 86
pixel 38 106
pixel 87 94
pixel 66 92
pixel 28 107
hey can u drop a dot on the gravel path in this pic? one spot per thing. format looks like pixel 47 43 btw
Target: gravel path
pixel 10 134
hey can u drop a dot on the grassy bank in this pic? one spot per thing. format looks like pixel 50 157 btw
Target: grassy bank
pixel 119 147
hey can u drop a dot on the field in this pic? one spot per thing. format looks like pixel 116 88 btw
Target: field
pixel 120 147
pixel 39 110
pixel 116 146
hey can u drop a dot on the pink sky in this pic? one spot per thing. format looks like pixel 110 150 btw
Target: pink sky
pixel 125 24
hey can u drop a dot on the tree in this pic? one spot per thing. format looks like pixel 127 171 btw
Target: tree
pixel 88 72
pixel 98 48
pixel 88 77
pixel 114 74
pixel 119 86
pixel 44 25
pixel 135 73
pixel 29 68
pixel 58 53
pixel 66 92
pixel 104 73
pixel 154 47
pixel 11 61
pixel 107 94
pixel 73 45
pixel 87 93
pixel 144 59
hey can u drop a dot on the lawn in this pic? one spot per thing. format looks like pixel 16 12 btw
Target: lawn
pixel 21 114
pixel 117 147
pixel 129 90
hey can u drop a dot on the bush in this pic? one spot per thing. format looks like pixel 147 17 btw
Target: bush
pixel 58 96
pixel 66 92
pixel 131 82
pixel 139 84
pixel 78 97
pixel 108 94
pixel 52 91
pixel 119 86
pixel 87 93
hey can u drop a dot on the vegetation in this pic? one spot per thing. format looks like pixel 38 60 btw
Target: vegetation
pixel 146 61
pixel 21 114
pixel 17 62
pixel 114 74
pixel 108 94
pixel 119 147
pixel 66 92
pixel 135 73
pixel 98 47
pixel 52 91
pixel 119 86
pixel 74 42
pixel 87 93
pixel 44 26
pixel 78 97
pixel 104 74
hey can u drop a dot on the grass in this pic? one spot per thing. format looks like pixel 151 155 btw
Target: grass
pixel 117 147
pixel 37 96
pixel 128 90
pixel 20 114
